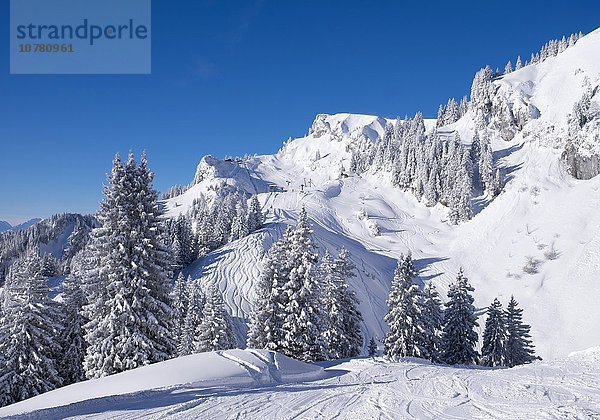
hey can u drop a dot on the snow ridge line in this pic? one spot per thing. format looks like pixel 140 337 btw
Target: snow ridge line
pixel 259 375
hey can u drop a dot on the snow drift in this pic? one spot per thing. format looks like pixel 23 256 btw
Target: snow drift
pixel 231 368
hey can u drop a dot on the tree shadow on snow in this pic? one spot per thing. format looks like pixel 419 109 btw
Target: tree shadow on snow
pixel 500 154
pixel 421 265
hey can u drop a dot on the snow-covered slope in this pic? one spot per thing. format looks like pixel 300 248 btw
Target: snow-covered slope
pixel 219 386
pixel 173 381
pixel 543 214
pixel 554 85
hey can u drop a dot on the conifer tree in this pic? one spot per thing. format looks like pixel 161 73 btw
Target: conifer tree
pixel 72 341
pixel 493 351
pixel 304 317
pixel 406 336
pixel 464 106
pixel 215 330
pixel 255 215
pixel 189 335
pixel 49 265
pixel 29 329
pixel 441 116
pixel 265 329
pixel 459 336
pixel 372 347
pixel 131 320
pixel 351 314
pixel 179 302
pixel 519 63
pixel 334 333
pixel 239 225
pixel 342 335
pixel 519 347
pixel 433 318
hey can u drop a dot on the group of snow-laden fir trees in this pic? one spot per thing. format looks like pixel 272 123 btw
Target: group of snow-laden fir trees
pixel 118 310
pixel 435 167
pixel 304 307
pixel 207 227
pixel 419 325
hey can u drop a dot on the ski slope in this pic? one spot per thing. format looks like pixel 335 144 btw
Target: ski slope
pixel 349 389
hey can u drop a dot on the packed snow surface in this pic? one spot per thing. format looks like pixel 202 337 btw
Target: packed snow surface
pixel 225 385
pixel 230 368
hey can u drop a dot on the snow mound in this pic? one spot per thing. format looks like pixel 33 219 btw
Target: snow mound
pixel 591 355
pixel 204 370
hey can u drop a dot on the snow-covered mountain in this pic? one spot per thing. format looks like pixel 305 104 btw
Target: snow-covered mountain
pixel 5 226
pixel 544 218
pixel 61 235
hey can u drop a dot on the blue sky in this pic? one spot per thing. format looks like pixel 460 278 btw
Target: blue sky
pixel 241 77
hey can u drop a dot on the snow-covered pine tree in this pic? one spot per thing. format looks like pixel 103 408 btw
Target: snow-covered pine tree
pixel 304 318
pixel 179 303
pixel 49 265
pixel 215 330
pixel 131 320
pixel 433 319
pixel 441 116
pixel 72 342
pixel 475 153
pixel 464 106
pixel 508 68
pixel 342 335
pixel 482 92
pixel 372 347
pixel 189 335
pixel 265 328
pixel 452 112
pixel 29 331
pixel 239 225
pixel 185 236
pixel 459 336
pixel 351 314
pixel 486 166
pixel 406 335
pixel 493 351
pixel 255 215
pixel 178 255
pixel 459 182
pixel 519 63
pixel 519 347
pixel 334 334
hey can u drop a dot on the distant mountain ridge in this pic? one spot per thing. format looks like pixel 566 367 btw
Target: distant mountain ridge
pixel 6 227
